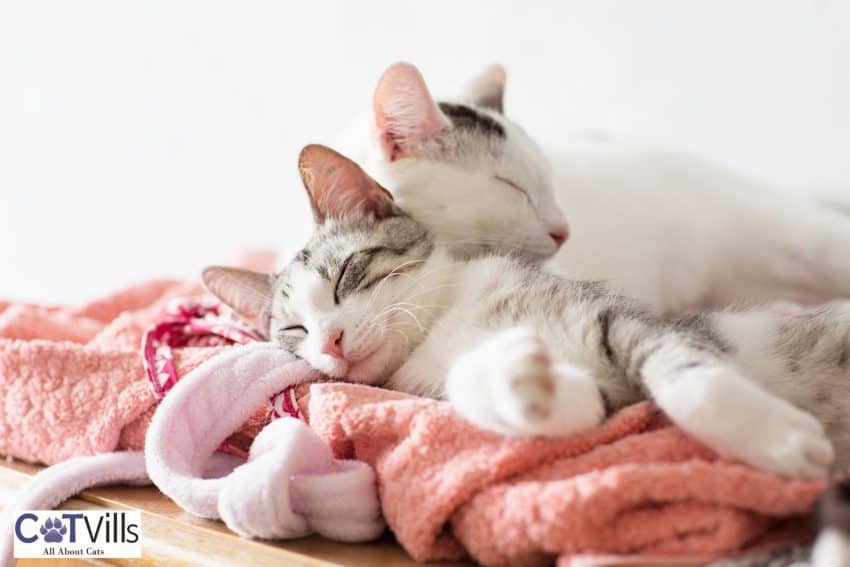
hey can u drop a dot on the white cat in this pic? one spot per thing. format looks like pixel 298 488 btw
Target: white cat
pixel 678 233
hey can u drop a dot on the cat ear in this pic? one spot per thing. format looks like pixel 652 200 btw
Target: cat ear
pixel 488 88
pixel 339 187
pixel 405 114
pixel 248 293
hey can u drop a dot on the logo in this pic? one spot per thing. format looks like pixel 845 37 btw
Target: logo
pixel 78 533
pixel 53 530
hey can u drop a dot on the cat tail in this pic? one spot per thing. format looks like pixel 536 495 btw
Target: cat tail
pixel 55 484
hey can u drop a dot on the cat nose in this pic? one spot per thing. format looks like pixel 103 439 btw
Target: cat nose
pixel 333 344
pixel 559 235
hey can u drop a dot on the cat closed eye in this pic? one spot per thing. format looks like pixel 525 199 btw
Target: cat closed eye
pixel 298 328
pixel 371 283
pixel 354 271
pixel 513 185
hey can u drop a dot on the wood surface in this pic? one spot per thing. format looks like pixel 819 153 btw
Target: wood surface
pixel 173 537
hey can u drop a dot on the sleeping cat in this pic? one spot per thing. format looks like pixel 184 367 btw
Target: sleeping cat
pixel 474 179
pixel 674 231
pixel 374 298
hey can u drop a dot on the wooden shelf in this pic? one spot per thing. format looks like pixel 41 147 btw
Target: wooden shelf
pixel 171 536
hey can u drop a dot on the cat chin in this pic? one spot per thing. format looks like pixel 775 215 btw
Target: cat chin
pixel 332 368
pixel 376 367
pixel 371 369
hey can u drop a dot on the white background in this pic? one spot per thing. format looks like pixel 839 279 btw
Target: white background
pixel 144 138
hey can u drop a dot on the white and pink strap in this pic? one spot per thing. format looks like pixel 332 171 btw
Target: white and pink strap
pixel 205 322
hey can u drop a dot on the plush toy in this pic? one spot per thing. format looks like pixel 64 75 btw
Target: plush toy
pixel 336 498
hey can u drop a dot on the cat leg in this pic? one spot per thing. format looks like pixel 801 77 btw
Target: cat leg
pixel 509 383
pixel 707 397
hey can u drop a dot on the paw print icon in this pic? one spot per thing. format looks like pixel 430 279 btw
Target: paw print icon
pixel 52 530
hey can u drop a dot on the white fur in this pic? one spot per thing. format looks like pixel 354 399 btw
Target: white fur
pixel 540 381
pixel 509 384
pixel 320 317
pixel 463 204
pixel 738 419
pixel 419 328
pixel 683 234
pixel 677 232
pixel 831 549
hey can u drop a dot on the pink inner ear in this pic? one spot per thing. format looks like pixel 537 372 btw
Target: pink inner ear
pixel 339 187
pixel 343 190
pixel 248 293
pixel 405 113
pixel 487 89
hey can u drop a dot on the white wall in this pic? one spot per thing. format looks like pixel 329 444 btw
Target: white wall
pixel 141 138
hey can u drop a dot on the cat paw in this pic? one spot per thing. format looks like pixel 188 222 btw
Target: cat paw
pixel 511 385
pixel 524 388
pixel 738 419
pixel 789 442
pixel 505 384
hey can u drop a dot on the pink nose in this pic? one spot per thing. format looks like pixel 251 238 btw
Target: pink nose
pixel 559 235
pixel 333 344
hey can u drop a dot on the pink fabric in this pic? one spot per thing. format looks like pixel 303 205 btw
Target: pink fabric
pixel 635 485
pixel 206 322
pixel 71 378
pixel 190 322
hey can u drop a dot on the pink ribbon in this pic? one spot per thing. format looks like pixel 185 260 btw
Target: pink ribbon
pixel 191 322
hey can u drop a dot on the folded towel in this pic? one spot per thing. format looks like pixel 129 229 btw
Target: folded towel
pixel 635 485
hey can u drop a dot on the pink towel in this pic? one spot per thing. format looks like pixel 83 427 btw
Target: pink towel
pixel 635 485
pixel 72 381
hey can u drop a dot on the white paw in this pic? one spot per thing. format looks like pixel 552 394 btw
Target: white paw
pixel 523 386
pixel 740 420
pixel 789 442
pixel 511 385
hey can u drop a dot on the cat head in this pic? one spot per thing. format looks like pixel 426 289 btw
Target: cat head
pixel 473 177
pixel 341 303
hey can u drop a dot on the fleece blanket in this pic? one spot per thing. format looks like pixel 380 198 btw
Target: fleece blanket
pixel 635 485
pixel 72 381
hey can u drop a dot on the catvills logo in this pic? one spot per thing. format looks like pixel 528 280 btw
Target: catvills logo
pixel 78 533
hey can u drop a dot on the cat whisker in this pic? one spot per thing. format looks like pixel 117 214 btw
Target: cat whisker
pixel 409 312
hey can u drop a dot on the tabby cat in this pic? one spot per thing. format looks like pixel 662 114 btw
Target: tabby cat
pixel 373 298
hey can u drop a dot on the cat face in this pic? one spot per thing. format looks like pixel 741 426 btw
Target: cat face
pixel 470 175
pixel 342 302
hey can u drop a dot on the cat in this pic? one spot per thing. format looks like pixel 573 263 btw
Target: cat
pixel 374 298
pixel 474 179
pixel 679 233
